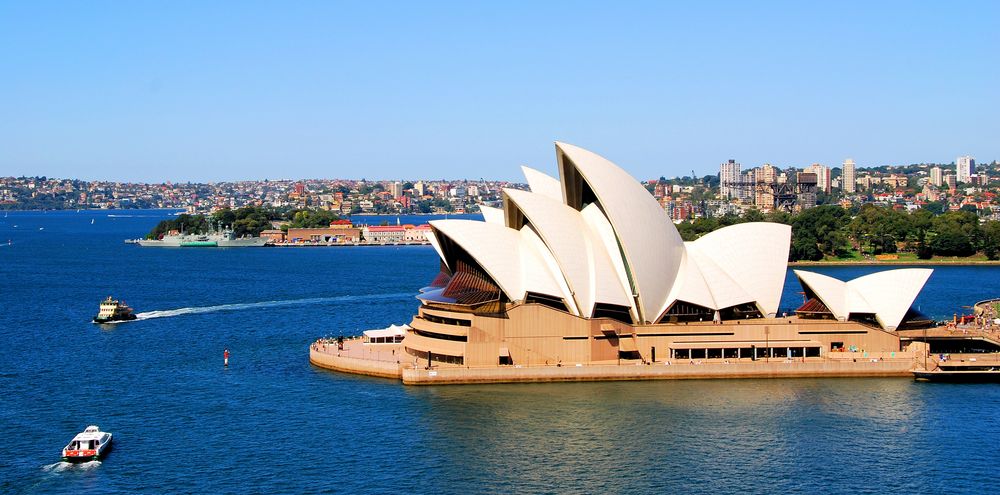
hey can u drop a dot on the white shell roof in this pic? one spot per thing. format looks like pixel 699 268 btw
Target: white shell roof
pixel 887 294
pixel 601 229
pixel 652 247
pixel 538 250
pixel 432 238
pixel 543 184
pixel 579 253
pixel 752 256
pixel 623 249
pixel 506 254
pixel 492 215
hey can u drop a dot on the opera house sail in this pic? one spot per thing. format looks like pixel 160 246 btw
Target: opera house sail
pixel 588 269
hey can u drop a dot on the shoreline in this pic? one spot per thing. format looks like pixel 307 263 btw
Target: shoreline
pixel 897 263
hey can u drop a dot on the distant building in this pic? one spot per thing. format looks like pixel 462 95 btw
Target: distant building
pixel 937 177
pixel 418 233
pixel 323 235
pixel 391 234
pixel 729 173
pixel 848 180
pixel 895 180
pixel 396 188
pixel 745 194
pixel 768 174
pixel 273 235
pixel 822 176
pixel 966 167
pixel 806 198
pixel 952 182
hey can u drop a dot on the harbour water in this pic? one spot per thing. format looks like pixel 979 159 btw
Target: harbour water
pixel 271 423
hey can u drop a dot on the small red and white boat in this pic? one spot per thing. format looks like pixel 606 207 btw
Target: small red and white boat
pixel 90 445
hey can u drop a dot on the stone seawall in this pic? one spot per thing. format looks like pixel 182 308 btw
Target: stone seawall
pixel 328 357
pixel 817 369
pixel 360 366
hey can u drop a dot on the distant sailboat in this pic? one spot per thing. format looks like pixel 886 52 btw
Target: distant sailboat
pixel 92 221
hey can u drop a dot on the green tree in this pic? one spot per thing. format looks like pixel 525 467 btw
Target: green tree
pixel 879 229
pixel 956 233
pixel 936 207
pixel 822 227
pixel 991 240
pixel 753 215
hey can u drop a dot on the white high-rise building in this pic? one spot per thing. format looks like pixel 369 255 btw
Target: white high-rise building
pixel 848 178
pixel 396 189
pixel 937 176
pixel 966 167
pixel 822 176
pixel 729 174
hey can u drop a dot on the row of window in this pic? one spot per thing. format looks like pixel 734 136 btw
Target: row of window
pixel 435 358
pixel 446 321
pixel 745 352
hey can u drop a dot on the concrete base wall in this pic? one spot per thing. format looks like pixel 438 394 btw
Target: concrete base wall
pixel 456 375
pixel 386 369
pixel 444 375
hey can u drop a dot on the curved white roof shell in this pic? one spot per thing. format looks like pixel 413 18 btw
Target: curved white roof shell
pixel 597 237
pixel 579 253
pixel 432 238
pixel 887 294
pixel 543 184
pixel 492 215
pixel 650 244
pixel 507 255
pixel 751 256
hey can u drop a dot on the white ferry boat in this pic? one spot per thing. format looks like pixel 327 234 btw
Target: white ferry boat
pixel 89 445
pixel 112 310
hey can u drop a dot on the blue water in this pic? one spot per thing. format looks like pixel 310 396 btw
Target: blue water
pixel 271 423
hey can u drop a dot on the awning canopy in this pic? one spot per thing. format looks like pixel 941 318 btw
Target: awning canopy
pixel 744 343
pixel 627 344
pixel 504 352
pixel 391 331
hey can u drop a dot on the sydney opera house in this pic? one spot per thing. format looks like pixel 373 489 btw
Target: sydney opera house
pixel 588 270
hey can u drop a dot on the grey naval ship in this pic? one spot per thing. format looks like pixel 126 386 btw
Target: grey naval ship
pixel 225 238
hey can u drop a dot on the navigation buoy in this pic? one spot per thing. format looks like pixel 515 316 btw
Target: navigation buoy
pixel 225 357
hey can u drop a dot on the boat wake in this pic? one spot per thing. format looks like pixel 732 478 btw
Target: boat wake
pixel 58 467
pixel 149 315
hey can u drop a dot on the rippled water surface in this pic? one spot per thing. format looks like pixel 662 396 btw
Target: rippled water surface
pixel 271 423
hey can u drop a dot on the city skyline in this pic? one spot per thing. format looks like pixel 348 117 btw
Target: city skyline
pixel 222 92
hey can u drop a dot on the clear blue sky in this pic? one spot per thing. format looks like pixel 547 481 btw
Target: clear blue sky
pixel 201 90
